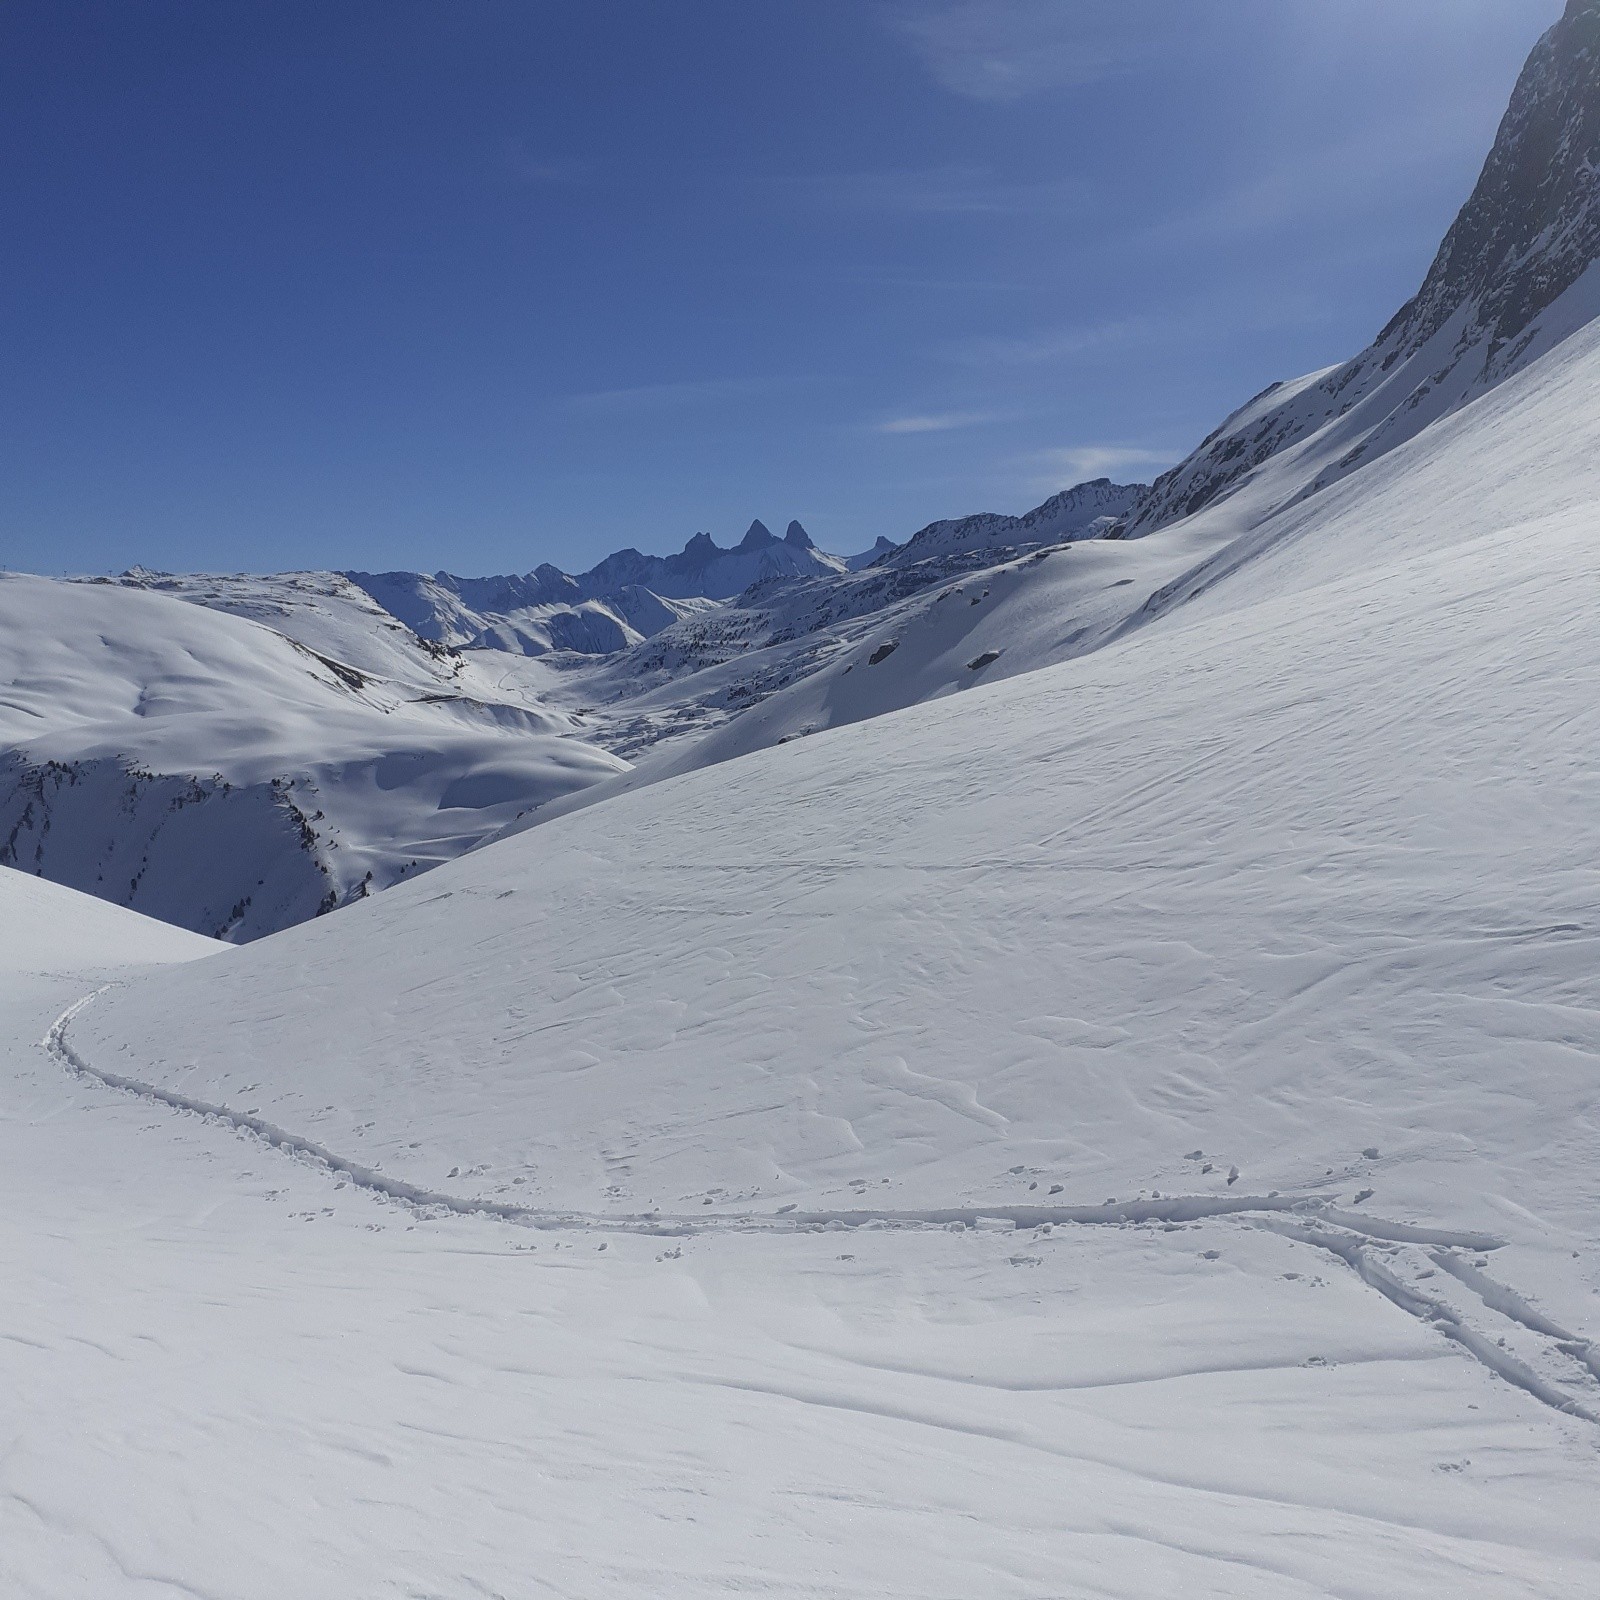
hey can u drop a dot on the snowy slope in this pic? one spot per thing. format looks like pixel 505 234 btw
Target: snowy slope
pixel 1227 885
pixel 1230 992
pixel 234 1374
pixel 150 757
pixel 1119 1123
pixel 211 771
pixel 1537 438
pixel 536 615
pixel 1516 275
pixel 45 928
pixel 622 667
pixel 323 611
pixel 816 657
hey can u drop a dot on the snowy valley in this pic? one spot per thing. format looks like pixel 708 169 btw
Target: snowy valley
pixel 1057 1057
pixel 236 754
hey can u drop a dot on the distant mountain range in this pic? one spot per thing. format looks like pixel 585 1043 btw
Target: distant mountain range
pixel 236 753
pixel 624 599
pixel 630 597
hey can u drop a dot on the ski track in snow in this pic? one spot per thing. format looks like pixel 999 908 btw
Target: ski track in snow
pixel 1354 1239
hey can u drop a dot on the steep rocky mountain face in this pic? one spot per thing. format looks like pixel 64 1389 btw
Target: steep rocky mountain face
pixel 1532 227
pixel 705 571
pixel 1514 277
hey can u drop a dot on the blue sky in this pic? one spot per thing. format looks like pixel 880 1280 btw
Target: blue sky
pixel 481 283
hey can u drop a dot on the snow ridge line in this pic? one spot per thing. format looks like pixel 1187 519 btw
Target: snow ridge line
pixel 1168 1209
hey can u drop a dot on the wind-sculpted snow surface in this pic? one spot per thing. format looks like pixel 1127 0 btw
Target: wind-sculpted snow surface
pixel 1119 1123
pixel 236 1370
pixel 1122 1131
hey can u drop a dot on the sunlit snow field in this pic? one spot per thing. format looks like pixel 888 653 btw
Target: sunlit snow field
pixel 233 1374
pixel 1126 1131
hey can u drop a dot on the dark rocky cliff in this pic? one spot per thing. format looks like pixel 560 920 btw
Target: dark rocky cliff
pixel 1504 286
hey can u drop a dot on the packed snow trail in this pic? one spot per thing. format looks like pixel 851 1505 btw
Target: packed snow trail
pixel 1315 1222
pixel 1354 1250
pixel 1171 1208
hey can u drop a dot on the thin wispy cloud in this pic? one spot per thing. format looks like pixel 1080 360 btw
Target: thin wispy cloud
pixel 1061 467
pixel 937 422
pixel 1328 178
pixel 1049 344
pixel 1201 322
pixel 1005 50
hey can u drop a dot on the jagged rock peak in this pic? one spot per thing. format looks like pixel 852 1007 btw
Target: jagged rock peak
pixel 796 535
pixel 702 546
pixel 1532 226
pixel 1517 274
pixel 757 537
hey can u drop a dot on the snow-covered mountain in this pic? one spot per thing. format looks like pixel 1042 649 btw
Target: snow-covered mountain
pixel 1516 274
pixel 1087 511
pixel 687 660
pixel 999 610
pixel 630 597
pixel 193 762
pixel 1257 783
pixel 881 547
pixel 325 735
pixel 1160 1065
pixel 532 615
pixel 1120 1123
pixel 623 600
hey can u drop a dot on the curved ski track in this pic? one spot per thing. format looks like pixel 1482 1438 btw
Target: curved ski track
pixel 1370 1246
